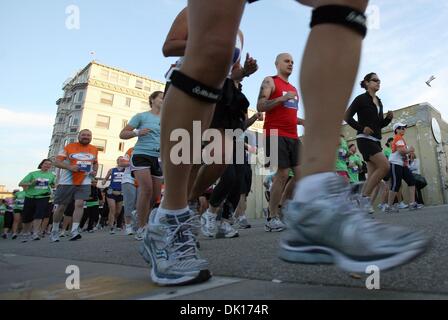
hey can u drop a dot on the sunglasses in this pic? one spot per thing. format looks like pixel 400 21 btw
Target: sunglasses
pixel 402 128
pixel 375 80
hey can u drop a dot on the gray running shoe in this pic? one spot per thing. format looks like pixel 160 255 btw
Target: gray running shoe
pixel 390 209
pixel 54 236
pixel 331 229
pixel 225 230
pixel 170 247
pixel 75 236
pixel 242 223
pixel 274 225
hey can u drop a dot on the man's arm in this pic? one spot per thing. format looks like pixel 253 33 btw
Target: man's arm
pixel 176 40
pixel 61 164
pixel 264 104
pixel 249 122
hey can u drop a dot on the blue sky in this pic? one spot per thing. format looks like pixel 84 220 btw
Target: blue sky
pixel 407 43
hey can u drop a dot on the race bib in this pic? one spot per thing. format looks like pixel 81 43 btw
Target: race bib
pixel 84 166
pixel 41 184
pixel 291 103
pixel 342 154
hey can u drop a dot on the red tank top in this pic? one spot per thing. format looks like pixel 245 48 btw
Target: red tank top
pixel 283 116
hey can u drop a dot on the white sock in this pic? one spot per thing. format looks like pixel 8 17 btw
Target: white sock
pixel 163 212
pixel 312 187
pixel 75 226
pixel 128 226
pixel 55 227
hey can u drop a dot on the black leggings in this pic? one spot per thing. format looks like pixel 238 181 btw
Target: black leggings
pixel 91 213
pixel 228 188
pixel 399 173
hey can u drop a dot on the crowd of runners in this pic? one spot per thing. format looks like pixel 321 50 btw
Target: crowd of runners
pixel 314 190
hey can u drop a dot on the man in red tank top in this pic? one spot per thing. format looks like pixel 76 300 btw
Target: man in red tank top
pixel 280 100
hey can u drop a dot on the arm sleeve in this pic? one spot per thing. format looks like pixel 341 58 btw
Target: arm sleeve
pixel 351 111
pixel 135 121
pixel 27 179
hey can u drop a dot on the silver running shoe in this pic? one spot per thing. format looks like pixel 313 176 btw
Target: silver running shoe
pixel 140 234
pixel 208 224
pixel 225 230
pixel 331 229
pixel 54 236
pixel 274 225
pixel 170 247
pixel 243 223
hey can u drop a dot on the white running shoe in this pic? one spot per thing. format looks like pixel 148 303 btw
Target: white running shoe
pixel 208 224
pixel 225 230
pixel 274 225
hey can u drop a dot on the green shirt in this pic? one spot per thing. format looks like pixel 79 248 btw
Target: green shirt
pixel 19 200
pixel 40 184
pixel 341 161
pixel 2 208
pixel 355 164
pixel 387 152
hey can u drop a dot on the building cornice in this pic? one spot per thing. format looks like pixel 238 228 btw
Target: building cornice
pixel 119 89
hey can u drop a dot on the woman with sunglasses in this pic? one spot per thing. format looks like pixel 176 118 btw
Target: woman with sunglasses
pixel 369 109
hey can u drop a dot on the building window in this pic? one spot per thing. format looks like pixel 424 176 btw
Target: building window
pixel 139 84
pixel 128 102
pixel 121 146
pixel 123 80
pixel 73 130
pixel 60 119
pixel 124 123
pixel 102 121
pixel 80 96
pixel 75 122
pixel 78 107
pixel 107 98
pixel 100 144
pixel 147 88
pixel 104 74
pixel 113 77
pixel 72 140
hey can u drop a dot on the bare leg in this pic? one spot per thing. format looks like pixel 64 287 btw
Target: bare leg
pixel 144 197
pixel 377 169
pixel 212 35
pixel 112 213
pixel 331 50
pixel 278 186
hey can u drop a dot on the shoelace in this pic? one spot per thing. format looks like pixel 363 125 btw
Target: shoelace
pixel 180 240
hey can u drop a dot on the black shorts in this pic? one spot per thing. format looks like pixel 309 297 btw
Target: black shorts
pixel 69 209
pixel 34 209
pixel 50 210
pixel 9 220
pixel 288 152
pixel 368 148
pixel 399 173
pixel 116 197
pixel 246 181
pixel 143 162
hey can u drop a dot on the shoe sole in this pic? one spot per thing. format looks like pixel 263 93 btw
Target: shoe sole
pixel 325 255
pixel 203 275
pixel 223 236
pixel 77 237
pixel 267 229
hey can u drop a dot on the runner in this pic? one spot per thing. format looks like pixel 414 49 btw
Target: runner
pixel 79 164
pixel 280 100
pixel 130 187
pixel 354 164
pixel 37 186
pixel 114 195
pixel 399 169
pixel 145 158
pixel 19 201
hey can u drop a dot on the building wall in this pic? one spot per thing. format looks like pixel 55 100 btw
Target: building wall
pixel 419 135
pixel 85 106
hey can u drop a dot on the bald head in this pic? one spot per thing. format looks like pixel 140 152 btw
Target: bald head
pixel 284 63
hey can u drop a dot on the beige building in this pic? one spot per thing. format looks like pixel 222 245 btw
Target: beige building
pixel 4 193
pixel 103 99
pixel 428 134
